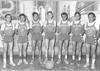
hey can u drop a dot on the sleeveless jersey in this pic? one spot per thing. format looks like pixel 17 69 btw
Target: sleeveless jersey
pixel 36 31
pixel 63 29
pixel 8 33
pixel 49 30
pixel 91 34
pixel 77 31
pixel 22 30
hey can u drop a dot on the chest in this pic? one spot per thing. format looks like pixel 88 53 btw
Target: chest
pixel 8 27
pixel 22 27
pixel 64 27
pixel 76 27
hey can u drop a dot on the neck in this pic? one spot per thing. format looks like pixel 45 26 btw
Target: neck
pixel 64 20
pixel 35 20
pixel 8 21
pixel 77 20
pixel 91 21
pixel 22 21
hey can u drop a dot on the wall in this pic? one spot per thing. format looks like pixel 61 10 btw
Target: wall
pixel 15 7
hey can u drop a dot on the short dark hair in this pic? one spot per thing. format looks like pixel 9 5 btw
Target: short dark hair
pixel 64 13
pixel 34 13
pixel 23 15
pixel 8 15
pixel 91 13
pixel 51 13
pixel 78 14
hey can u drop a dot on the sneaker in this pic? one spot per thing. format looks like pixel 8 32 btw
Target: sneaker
pixel 20 62
pixel 58 62
pixel 86 65
pixel 12 63
pixel 25 61
pixel 40 60
pixel 32 61
pixel 92 66
pixel 4 66
pixel 45 61
pixel 66 61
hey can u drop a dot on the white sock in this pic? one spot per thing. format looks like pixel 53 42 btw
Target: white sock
pixel 59 56
pixel 11 59
pixel 65 56
pixel 93 61
pixel 87 60
pixel 4 60
pixel 73 57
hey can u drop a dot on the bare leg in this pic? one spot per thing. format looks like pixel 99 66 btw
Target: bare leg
pixel 93 53
pixel 40 50
pixel 20 53
pixel 24 52
pixel 74 50
pixel 30 41
pixel 79 50
pixel 66 51
pixel 11 54
pixel 15 41
pixel 4 55
pixel 60 51
pixel 87 54
pixel 46 46
pixel 51 46
pixel 33 51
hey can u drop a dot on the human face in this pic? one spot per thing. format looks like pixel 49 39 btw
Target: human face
pixel 49 16
pixel 35 17
pixel 77 17
pixel 91 18
pixel 22 18
pixel 8 18
pixel 64 17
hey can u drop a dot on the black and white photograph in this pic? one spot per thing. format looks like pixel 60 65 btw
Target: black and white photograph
pixel 49 35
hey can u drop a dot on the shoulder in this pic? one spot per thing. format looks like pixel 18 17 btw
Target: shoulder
pixel 97 25
pixel 54 21
pixel 69 23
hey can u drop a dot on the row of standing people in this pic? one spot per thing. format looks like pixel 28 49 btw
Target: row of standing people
pixel 34 34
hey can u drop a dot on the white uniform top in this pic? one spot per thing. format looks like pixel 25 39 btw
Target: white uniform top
pixel 45 23
pixel 77 22
pixel 17 25
pixel 50 21
pixel 35 22
pixel 4 25
pixel 90 24
pixel 69 23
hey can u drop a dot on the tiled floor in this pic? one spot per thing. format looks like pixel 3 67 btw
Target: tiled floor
pixel 77 66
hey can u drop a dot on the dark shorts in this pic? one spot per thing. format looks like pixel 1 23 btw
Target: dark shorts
pixel 37 36
pixel 63 37
pixel 77 38
pixel 90 40
pixel 8 39
pixel 22 39
pixel 50 36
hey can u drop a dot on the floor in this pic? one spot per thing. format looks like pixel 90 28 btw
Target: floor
pixel 77 66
